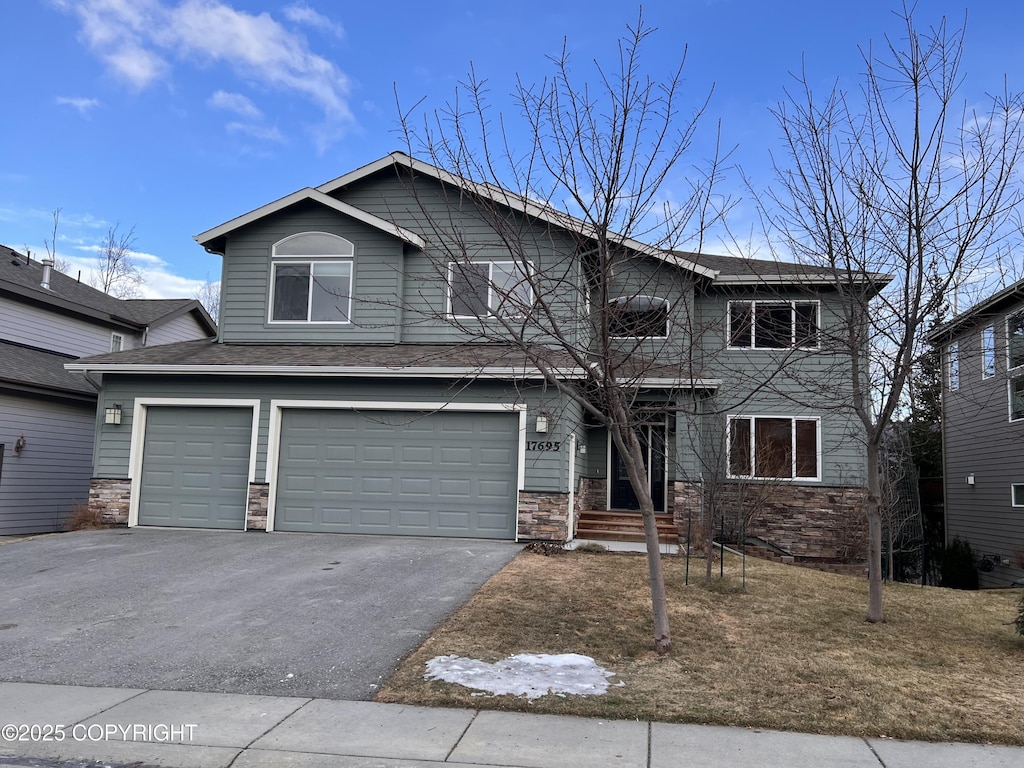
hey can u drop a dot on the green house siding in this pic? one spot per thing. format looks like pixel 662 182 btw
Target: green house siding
pixel 545 470
pixel 376 283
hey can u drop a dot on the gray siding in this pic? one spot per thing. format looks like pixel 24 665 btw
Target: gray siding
pixel 783 383
pixel 980 440
pixel 39 487
pixel 455 225
pixel 544 470
pixel 246 280
pixel 184 328
pixel 44 329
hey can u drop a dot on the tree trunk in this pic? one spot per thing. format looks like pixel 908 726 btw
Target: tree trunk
pixel 636 468
pixel 874 518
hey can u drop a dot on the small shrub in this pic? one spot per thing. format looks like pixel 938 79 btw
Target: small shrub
pixel 546 548
pixel 592 547
pixel 83 518
pixel 958 569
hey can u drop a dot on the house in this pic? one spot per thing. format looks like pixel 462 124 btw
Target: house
pixel 983 432
pixel 363 381
pixel 48 415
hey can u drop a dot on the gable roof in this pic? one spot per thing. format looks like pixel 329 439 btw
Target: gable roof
pixel 212 239
pixel 21 276
pixel 512 201
pixel 997 303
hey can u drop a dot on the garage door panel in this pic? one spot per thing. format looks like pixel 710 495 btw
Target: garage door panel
pixel 195 467
pixel 406 473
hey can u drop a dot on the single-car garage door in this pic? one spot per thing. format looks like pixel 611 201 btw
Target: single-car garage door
pixel 195 467
pixel 447 473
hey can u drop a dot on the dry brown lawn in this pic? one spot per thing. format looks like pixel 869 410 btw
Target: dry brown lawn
pixel 791 652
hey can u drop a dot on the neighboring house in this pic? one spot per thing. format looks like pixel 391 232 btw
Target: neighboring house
pixel 48 415
pixel 983 431
pixel 351 390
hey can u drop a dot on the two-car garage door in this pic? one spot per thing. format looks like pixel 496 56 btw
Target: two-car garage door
pixel 443 473
pixel 446 473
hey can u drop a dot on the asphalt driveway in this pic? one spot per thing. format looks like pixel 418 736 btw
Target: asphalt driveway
pixel 318 615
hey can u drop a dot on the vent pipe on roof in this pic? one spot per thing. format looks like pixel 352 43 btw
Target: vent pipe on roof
pixel 47 266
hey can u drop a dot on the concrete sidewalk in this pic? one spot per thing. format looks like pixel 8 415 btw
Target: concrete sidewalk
pixel 121 727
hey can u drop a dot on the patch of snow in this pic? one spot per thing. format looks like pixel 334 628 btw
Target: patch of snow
pixel 525 674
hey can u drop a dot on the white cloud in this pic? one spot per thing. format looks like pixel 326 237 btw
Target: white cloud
pixel 136 37
pixel 265 132
pixel 234 102
pixel 301 13
pixel 83 105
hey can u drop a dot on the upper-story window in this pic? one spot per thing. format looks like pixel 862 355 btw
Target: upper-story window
pixel 311 279
pixel 988 352
pixel 1015 340
pixel 953 366
pixel 772 447
pixel 116 342
pixel 773 324
pixel 1016 389
pixel 489 288
pixel 638 317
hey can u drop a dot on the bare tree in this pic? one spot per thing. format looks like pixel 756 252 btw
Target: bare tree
pixel 208 294
pixel 116 273
pixel 61 265
pixel 898 179
pixel 593 163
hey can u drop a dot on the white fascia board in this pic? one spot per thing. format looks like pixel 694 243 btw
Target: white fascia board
pixel 798 279
pixel 513 201
pixel 308 193
pixel 323 370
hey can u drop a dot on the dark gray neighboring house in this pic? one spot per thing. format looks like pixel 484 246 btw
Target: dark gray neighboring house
pixel 48 415
pixel 983 431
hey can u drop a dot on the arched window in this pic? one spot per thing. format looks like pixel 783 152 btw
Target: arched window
pixel 638 317
pixel 311 279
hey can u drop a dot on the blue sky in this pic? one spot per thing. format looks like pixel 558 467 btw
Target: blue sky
pixel 174 116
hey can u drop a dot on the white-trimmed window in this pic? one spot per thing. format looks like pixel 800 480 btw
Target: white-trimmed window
pixel 116 342
pixel 988 352
pixel 1015 340
pixel 1017 494
pixel 1016 395
pixel 953 366
pixel 774 447
pixel 489 288
pixel 774 324
pixel 638 317
pixel 311 279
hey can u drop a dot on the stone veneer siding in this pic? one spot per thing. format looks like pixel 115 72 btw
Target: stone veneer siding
pixel 804 521
pixel 593 493
pixel 110 498
pixel 256 508
pixel 543 516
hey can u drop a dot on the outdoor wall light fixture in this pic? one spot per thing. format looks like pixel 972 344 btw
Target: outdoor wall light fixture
pixel 19 444
pixel 542 422
pixel 112 415
pixel 970 479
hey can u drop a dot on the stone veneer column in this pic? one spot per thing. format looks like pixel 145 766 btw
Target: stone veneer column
pixel 543 516
pixel 110 498
pixel 686 504
pixel 256 511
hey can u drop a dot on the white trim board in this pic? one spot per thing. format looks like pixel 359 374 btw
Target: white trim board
pixel 277 406
pixel 138 439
